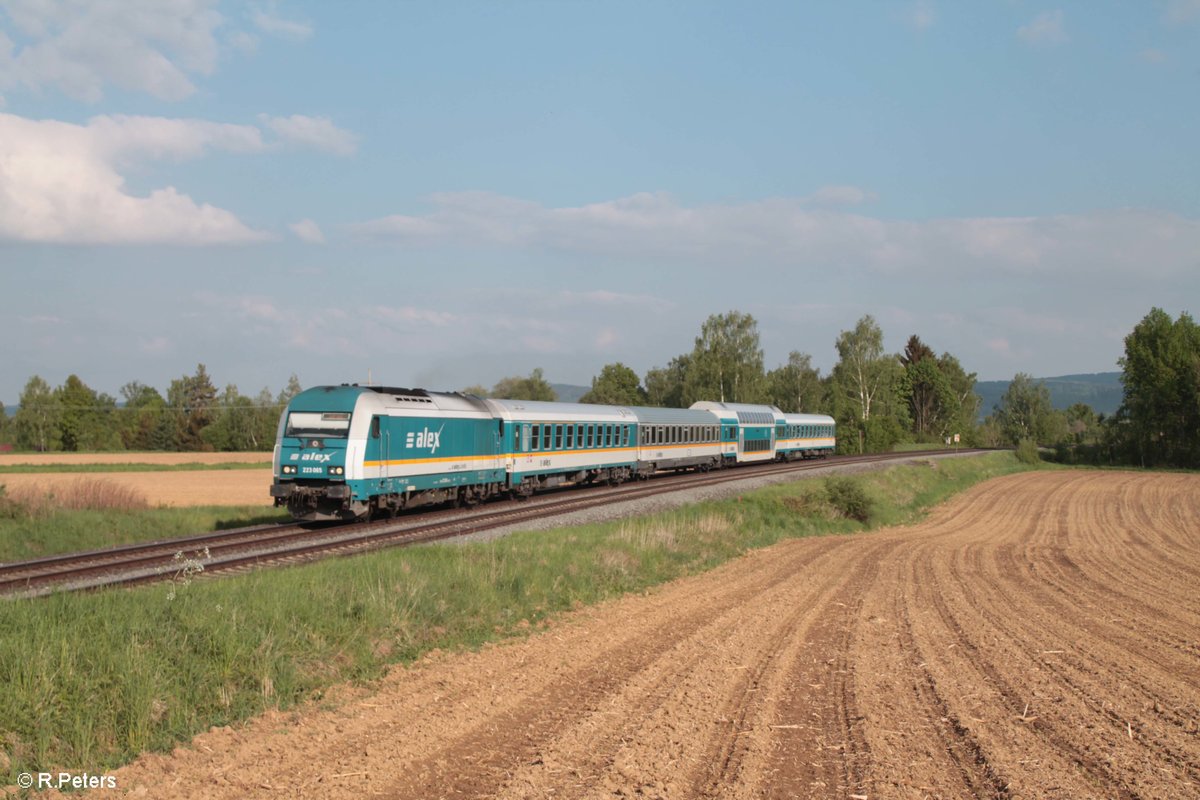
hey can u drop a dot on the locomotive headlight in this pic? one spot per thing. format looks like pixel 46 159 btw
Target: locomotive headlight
pixel 337 471
pixel 289 469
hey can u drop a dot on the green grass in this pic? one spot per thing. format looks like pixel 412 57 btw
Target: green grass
pixel 89 680
pixel 32 469
pixel 23 536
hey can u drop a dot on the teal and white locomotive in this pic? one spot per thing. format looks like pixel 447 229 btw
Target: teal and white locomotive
pixel 346 452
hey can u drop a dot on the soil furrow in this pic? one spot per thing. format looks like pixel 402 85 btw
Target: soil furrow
pixel 1037 637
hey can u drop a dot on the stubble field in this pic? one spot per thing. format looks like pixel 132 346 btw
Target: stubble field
pixel 174 488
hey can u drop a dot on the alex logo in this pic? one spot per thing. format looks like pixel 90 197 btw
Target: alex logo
pixel 320 458
pixel 425 438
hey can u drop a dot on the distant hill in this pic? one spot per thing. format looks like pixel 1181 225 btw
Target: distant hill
pixel 569 393
pixel 1102 391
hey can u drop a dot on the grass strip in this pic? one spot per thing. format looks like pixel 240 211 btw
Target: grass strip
pixel 87 681
pixel 23 536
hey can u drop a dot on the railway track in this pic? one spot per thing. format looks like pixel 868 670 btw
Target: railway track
pixel 242 549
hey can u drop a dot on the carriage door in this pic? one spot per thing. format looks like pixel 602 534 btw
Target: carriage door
pixel 382 436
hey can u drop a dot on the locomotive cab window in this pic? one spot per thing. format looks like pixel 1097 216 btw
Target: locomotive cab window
pixel 317 424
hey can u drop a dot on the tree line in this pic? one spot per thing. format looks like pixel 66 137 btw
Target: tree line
pixel 193 416
pixel 879 399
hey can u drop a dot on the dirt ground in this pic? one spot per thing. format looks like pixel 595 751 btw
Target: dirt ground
pixel 1037 637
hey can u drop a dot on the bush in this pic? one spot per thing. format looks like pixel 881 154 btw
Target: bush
pixel 848 497
pixel 9 508
pixel 1027 452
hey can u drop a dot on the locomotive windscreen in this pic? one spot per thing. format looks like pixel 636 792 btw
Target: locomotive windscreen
pixel 307 424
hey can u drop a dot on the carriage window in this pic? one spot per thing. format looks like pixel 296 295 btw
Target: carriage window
pixel 537 438
pixel 558 437
pixel 570 437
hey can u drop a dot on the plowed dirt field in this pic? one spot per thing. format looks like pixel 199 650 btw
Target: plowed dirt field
pixel 1037 637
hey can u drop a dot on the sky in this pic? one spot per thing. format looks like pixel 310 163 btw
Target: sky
pixel 441 194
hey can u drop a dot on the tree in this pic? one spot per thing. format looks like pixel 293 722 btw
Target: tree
pixel 866 385
pixel 664 385
pixel 862 368
pixel 795 387
pixel 534 387
pixel 476 390
pixel 1161 376
pixel 5 426
pixel 87 419
pixel 963 413
pixel 292 389
pixel 1083 425
pixel 1025 412
pixel 36 423
pixel 144 421
pixel 191 399
pixel 727 361
pixel 924 387
pixel 616 385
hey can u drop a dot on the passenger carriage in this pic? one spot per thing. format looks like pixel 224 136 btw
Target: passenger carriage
pixel 677 438
pixel 804 436
pixel 550 444
pixel 753 438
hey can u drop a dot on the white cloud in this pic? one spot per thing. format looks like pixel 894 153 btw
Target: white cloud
pixel 1046 28
pixel 409 315
pixel 841 196
pixel 60 182
pixel 1182 11
pixel 316 132
pixel 922 15
pixel 308 231
pixel 153 138
pixel 155 346
pixel 791 233
pixel 140 45
pixel 270 22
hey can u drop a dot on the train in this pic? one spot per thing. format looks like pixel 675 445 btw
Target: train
pixel 354 452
